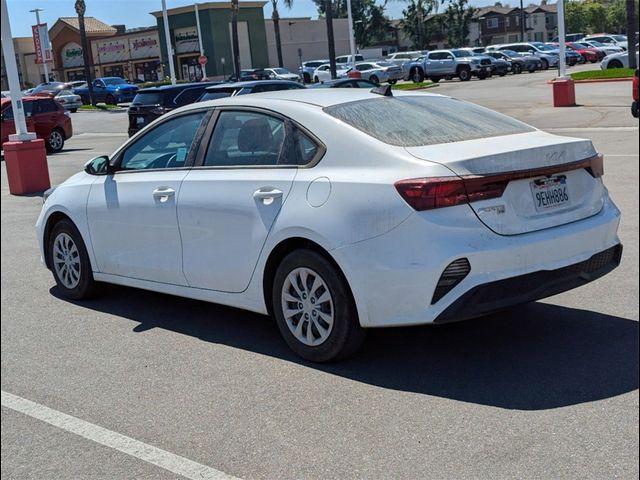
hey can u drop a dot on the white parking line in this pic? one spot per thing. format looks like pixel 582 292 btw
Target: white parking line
pixel 595 129
pixel 148 453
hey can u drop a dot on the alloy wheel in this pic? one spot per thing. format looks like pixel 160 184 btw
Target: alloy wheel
pixel 66 261
pixel 56 141
pixel 307 306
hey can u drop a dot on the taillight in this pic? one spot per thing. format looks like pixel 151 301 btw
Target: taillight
pixel 438 192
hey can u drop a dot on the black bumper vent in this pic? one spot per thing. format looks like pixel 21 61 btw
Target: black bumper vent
pixel 451 276
pixel 495 296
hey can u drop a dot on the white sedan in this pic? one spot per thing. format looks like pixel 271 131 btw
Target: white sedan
pixel 323 72
pixel 303 205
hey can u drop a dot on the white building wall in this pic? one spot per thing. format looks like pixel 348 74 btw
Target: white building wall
pixel 308 35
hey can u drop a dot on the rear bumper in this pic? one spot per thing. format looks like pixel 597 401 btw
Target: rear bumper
pixel 494 296
pixel 394 276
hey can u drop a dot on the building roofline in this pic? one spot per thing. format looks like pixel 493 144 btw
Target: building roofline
pixel 208 6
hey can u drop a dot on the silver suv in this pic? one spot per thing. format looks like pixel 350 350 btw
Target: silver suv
pixel 455 63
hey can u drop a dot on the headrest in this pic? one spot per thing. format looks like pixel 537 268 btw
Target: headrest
pixel 255 136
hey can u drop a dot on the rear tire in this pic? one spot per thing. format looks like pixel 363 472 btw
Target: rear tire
pixel 614 64
pixel 73 110
pixel 482 75
pixel 374 79
pixel 517 68
pixel 392 82
pixel 69 262
pixel 55 142
pixel 316 79
pixel 545 64
pixel 306 78
pixel 314 308
pixel 110 100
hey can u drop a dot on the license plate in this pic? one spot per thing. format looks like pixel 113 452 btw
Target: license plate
pixel 550 192
pixel 139 120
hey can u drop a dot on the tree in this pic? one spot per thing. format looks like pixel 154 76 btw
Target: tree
pixel 417 24
pixel 632 24
pixel 234 38
pixel 330 39
pixel 576 16
pixel 275 16
pixel 370 21
pixel 458 17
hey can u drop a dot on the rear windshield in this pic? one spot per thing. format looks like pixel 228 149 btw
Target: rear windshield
pixel 217 93
pixel 148 98
pixel 413 121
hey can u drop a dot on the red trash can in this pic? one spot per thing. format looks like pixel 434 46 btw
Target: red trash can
pixel 354 74
pixel 27 168
pixel 564 93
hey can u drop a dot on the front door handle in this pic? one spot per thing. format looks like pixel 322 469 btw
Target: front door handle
pixel 163 193
pixel 267 195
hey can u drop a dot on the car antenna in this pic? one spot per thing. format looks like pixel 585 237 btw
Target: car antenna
pixel 384 90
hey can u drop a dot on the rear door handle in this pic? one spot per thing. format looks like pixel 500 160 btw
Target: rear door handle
pixel 267 195
pixel 163 193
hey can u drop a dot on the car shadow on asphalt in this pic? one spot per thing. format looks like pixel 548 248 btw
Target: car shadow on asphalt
pixel 534 357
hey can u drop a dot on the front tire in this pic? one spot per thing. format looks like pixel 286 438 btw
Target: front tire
pixel 417 76
pixel 374 79
pixel 464 74
pixel 110 100
pixel 545 64
pixel 314 308
pixel 517 68
pixel 69 261
pixel 306 78
pixel 615 64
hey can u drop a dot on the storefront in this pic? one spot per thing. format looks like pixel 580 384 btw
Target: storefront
pixel 135 56
pixel 187 50
pixel 72 62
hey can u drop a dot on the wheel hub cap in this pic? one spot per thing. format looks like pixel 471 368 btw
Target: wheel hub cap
pixel 307 306
pixel 66 261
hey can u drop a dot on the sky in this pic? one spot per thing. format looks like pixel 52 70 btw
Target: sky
pixel 135 13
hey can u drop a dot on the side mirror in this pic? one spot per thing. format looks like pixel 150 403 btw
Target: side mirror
pixel 98 166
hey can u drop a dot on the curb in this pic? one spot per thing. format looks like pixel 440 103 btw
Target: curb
pixel 599 80
pixel 416 88
pixel 111 110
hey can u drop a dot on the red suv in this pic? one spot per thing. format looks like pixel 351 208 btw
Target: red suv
pixel 45 115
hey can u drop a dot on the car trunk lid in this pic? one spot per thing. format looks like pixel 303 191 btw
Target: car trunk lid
pixel 544 180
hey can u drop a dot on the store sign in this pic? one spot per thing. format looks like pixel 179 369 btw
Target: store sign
pixel 144 47
pixel 112 51
pixel 186 40
pixel 72 55
pixel 44 54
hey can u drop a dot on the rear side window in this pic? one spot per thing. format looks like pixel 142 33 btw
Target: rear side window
pixel 47 106
pixel 217 93
pixel 412 120
pixel 148 98
pixel 188 95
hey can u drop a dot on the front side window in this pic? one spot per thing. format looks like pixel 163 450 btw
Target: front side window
pixel 7 114
pixel 244 138
pixel 166 146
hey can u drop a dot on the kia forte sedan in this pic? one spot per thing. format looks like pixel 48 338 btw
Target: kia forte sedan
pixel 303 205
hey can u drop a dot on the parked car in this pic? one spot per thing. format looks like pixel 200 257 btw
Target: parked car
pixel 590 54
pixel 345 83
pixel 607 49
pixel 380 71
pixel 49 87
pixel 635 94
pixel 5 94
pixel 110 90
pixel 307 69
pixel 399 58
pixel 77 84
pixel 348 59
pixel 607 39
pixel 571 37
pixel 48 118
pixel 436 219
pixel 282 74
pixel 617 60
pixel 323 72
pixel 245 88
pixel 547 59
pixel 440 64
pixel 153 102
pixel 69 100
pixel 519 62
pixel 499 66
pixel 249 75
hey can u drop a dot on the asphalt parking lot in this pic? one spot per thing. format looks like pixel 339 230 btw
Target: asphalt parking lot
pixel 547 390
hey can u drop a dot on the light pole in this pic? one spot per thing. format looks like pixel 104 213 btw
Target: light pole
pixel 562 67
pixel 202 66
pixel 165 23
pixel 81 8
pixel 44 64
pixel 352 42
pixel 522 19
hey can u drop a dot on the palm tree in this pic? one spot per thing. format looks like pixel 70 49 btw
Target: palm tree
pixel 328 13
pixel 234 38
pixel 632 24
pixel 275 16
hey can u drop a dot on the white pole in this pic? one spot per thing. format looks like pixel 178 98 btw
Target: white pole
pixel 44 64
pixel 204 67
pixel 168 40
pixel 561 37
pixel 14 82
pixel 352 41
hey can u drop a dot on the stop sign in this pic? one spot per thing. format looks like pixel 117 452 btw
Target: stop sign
pixel 202 59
